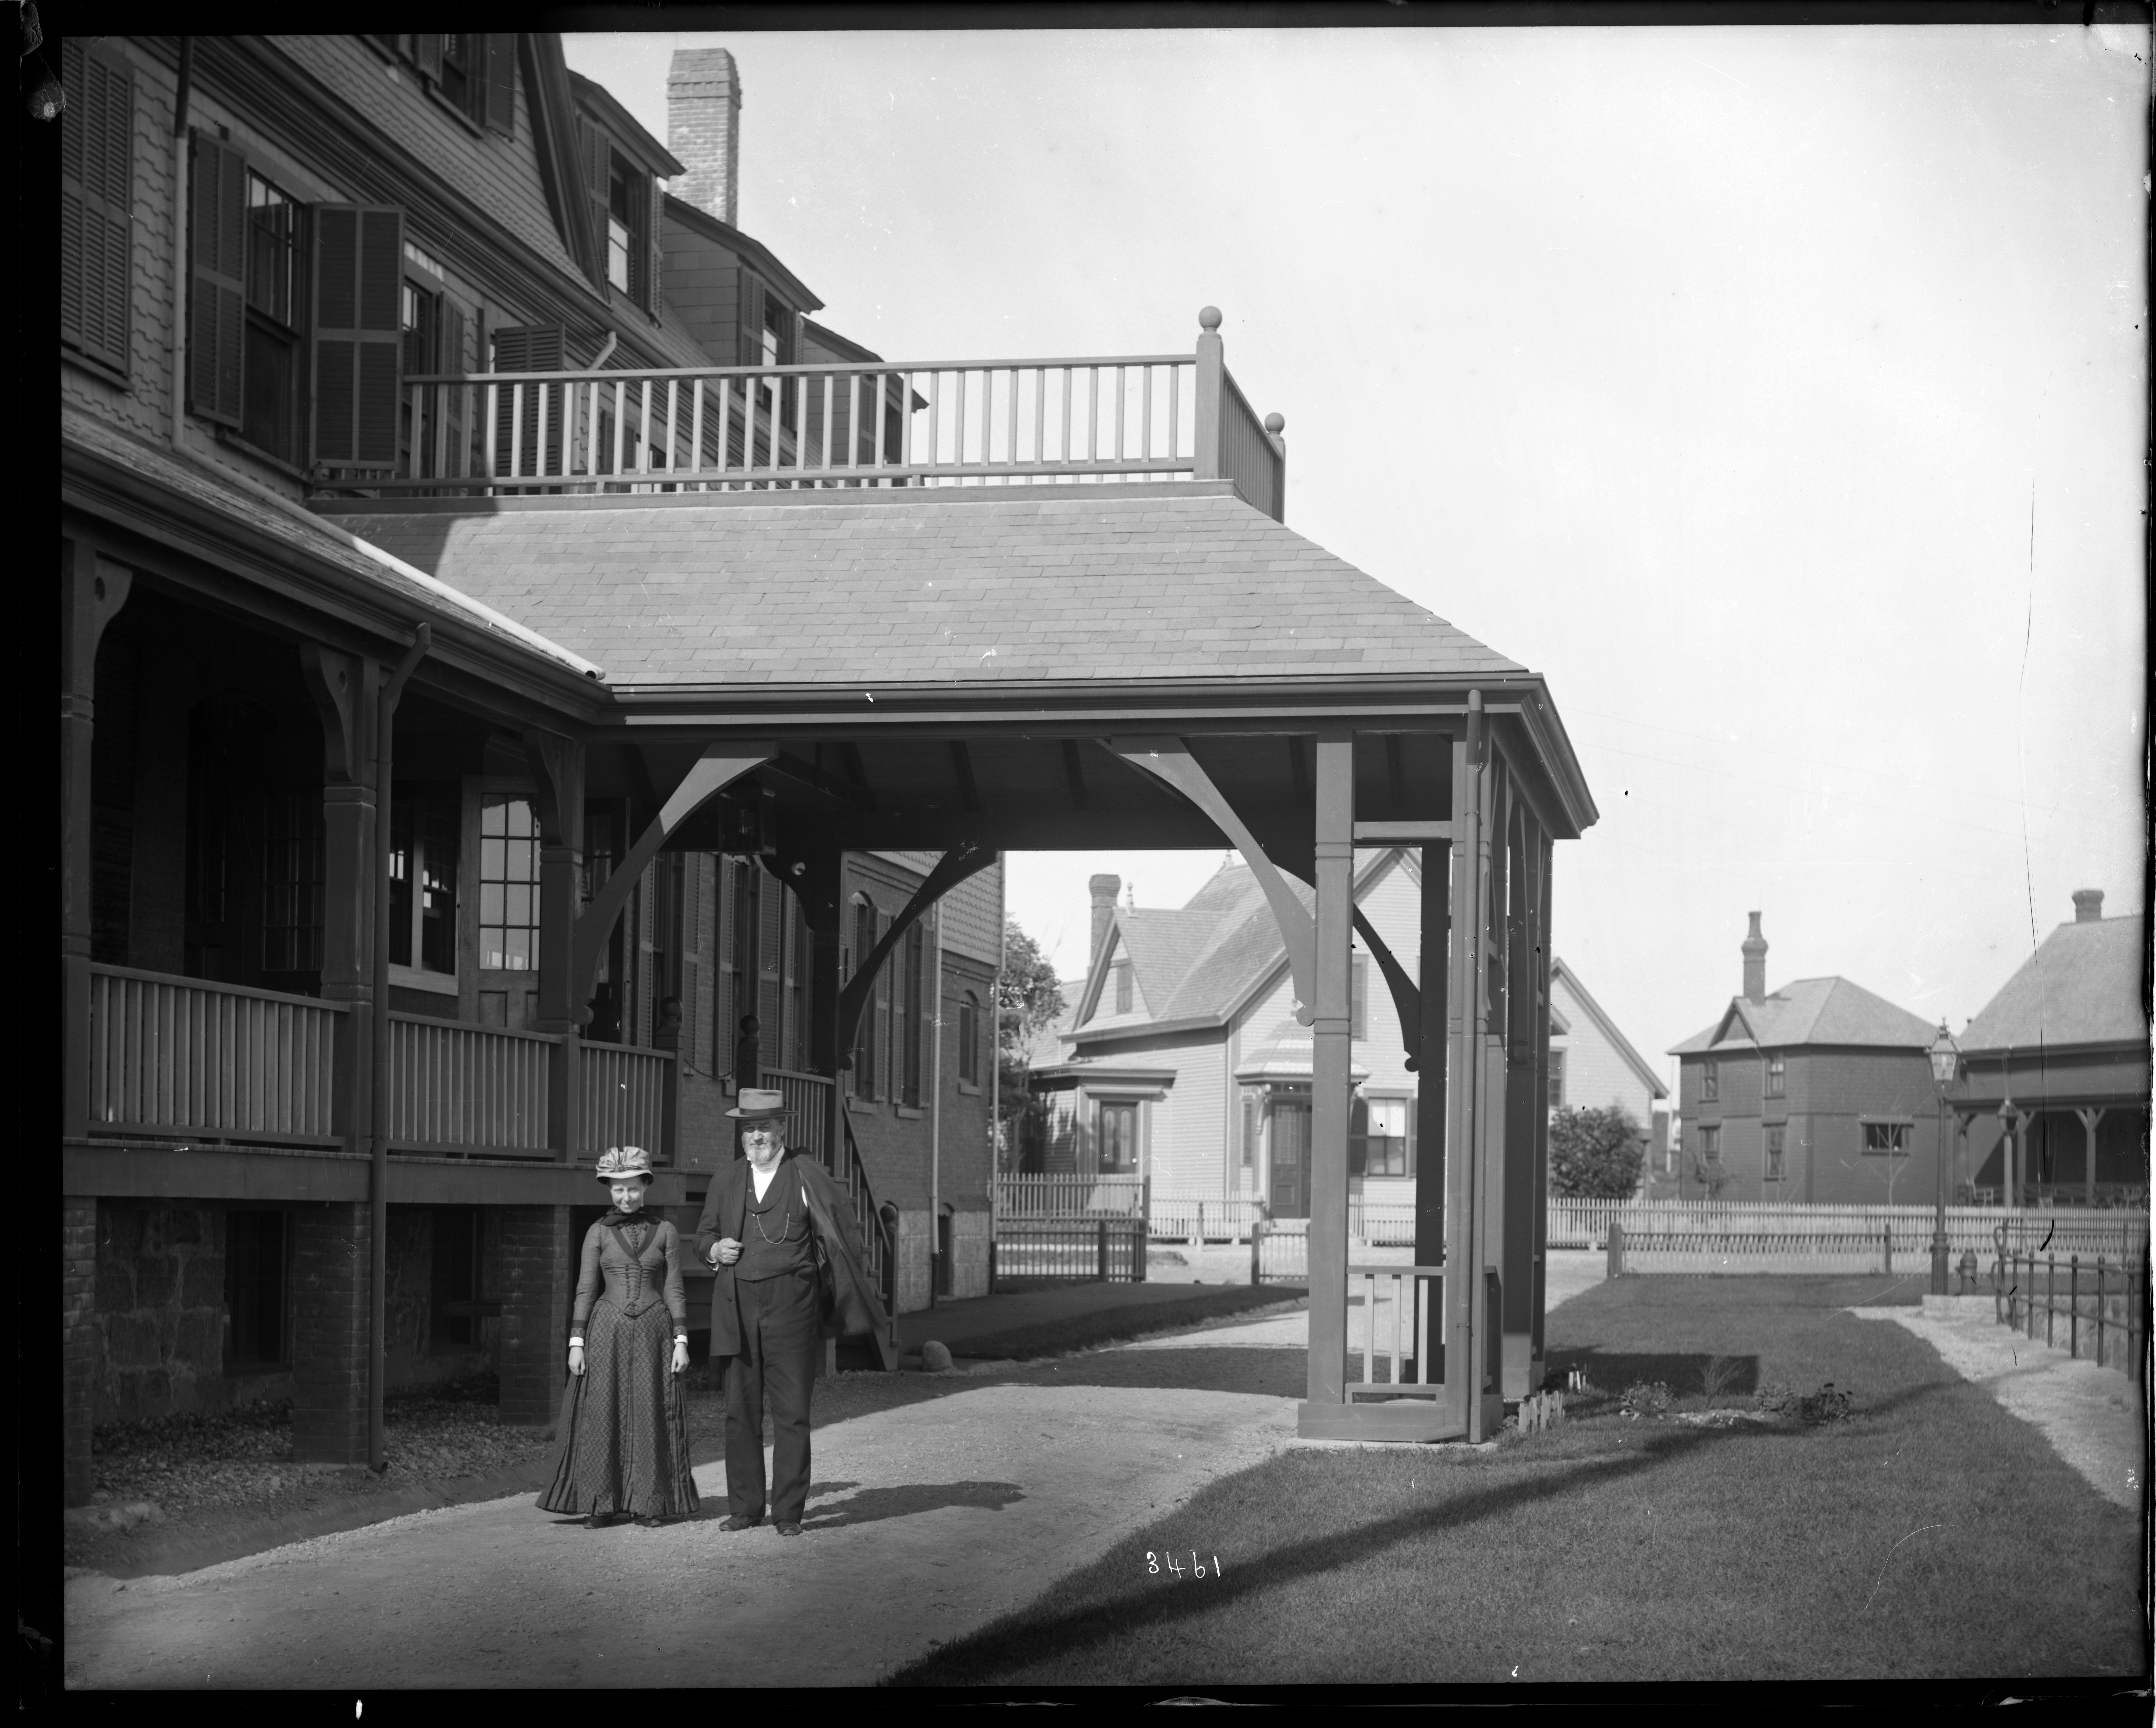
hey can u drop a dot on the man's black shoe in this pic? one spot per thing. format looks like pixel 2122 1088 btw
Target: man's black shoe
pixel 737 1522
pixel 789 1530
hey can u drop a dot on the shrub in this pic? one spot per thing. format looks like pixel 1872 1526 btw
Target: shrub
pixel 1595 1154
pixel 1645 1397
pixel 1828 1404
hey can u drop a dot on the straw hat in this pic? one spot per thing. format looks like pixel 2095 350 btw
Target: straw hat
pixel 760 1104
pixel 624 1164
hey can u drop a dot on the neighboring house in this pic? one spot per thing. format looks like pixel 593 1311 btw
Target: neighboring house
pixel 1820 1092
pixel 1593 1065
pixel 2067 1041
pixel 1180 1059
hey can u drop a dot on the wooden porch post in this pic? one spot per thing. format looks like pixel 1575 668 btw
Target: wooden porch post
pixel 557 774
pixel 1467 1315
pixel 345 687
pixel 1205 406
pixel 1330 1061
pixel 91 592
pixel 1432 1164
pixel 2091 1116
pixel 1541 853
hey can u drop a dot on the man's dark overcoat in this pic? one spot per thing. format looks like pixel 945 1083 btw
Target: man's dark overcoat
pixel 846 1294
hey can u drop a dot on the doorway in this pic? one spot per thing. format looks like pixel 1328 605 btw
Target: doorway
pixel 1289 1187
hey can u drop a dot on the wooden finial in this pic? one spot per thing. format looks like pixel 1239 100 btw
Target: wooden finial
pixel 1276 424
pixel 1208 317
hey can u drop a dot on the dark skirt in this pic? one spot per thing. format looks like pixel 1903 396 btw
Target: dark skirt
pixel 624 1444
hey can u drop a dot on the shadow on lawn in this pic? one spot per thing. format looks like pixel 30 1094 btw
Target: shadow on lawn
pixel 1030 1640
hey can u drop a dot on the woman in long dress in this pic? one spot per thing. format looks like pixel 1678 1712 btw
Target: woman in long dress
pixel 625 1428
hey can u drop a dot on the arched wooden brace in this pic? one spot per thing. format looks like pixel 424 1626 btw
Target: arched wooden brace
pixel 968 858
pixel 718 768
pixel 1407 995
pixel 1170 760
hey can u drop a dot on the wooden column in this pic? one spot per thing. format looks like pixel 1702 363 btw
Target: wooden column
pixel 91 592
pixel 1542 855
pixel 2091 1116
pixel 557 775
pixel 1205 404
pixel 1467 1315
pixel 816 883
pixel 1331 1089
pixel 1431 1162
pixel 1493 1174
pixel 345 687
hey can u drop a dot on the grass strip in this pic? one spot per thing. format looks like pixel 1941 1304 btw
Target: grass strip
pixel 1929 1535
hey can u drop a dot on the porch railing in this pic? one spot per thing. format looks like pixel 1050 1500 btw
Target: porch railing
pixel 474 1090
pixel 624 1097
pixel 851 423
pixel 1397 1304
pixel 182 1056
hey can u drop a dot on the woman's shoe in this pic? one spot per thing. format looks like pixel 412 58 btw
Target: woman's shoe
pixel 598 1520
pixel 650 1523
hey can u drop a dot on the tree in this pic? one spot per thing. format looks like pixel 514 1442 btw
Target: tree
pixel 1029 998
pixel 1595 1154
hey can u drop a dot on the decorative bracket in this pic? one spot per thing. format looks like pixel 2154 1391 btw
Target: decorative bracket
pixel 340 686
pixel 968 858
pixel 718 768
pixel 1406 996
pixel 1170 760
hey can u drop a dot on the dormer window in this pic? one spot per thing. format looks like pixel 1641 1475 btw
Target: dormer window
pixel 620 198
pixel 621 192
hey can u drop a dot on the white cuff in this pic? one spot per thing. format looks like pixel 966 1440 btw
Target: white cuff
pixel 576 1343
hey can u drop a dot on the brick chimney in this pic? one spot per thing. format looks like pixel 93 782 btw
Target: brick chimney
pixel 703 129
pixel 2088 906
pixel 1105 889
pixel 1755 963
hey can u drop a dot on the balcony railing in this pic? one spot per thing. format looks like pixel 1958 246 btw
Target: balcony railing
pixel 881 425
pixel 181 1056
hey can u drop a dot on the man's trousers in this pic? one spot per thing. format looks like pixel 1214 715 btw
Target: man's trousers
pixel 781 1340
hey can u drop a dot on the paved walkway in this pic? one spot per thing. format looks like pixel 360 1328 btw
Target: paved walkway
pixel 2092 1415
pixel 924 1523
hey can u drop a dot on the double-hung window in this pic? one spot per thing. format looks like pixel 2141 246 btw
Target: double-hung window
pixel 1710 1081
pixel 1777 1142
pixel 1886 1139
pixel 1379 1143
pixel 473 74
pixel 423 881
pixel 969 1039
pixel 1777 1074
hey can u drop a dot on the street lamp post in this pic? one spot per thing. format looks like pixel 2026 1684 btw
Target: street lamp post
pixel 1946 1058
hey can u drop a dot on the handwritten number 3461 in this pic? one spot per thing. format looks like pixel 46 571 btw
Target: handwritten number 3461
pixel 1196 1569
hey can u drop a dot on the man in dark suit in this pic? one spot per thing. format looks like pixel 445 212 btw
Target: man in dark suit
pixel 778 1234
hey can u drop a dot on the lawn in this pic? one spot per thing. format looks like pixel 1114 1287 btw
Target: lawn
pixel 1927 1535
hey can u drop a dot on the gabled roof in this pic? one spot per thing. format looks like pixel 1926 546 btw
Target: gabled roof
pixel 2082 986
pixel 1618 1040
pixel 699 221
pixel 948 587
pixel 1811 1010
pixel 627 130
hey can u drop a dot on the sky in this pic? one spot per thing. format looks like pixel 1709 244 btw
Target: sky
pixel 1778 394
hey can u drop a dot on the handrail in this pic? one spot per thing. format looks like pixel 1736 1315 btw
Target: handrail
pixel 217 986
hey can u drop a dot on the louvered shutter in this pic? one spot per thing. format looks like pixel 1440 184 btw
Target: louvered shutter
pixel 751 320
pixel 451 359
pixel 97 163
pixel 528 347
pixel 359 263
pixel 770 962
pixel 655 248
pixel 427 50
pixel 598 147
pixel 885 1065
pixel 217 289
pixel 500 74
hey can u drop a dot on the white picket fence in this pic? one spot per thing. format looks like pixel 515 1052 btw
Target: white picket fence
pixel 1752 1237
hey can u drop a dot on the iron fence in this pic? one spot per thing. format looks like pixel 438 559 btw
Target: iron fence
pixel 2102 1305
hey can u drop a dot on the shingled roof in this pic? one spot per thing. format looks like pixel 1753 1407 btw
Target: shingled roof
pixel 973 585
pixel 2083 986
pixel 1811 1010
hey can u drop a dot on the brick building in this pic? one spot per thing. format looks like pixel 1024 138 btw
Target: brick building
pixel 1818 1092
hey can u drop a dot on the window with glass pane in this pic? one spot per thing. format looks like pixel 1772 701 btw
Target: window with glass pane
pixel 864 1042
pixel 909 1005
pixel 1253 1117
pixel 1710 1081
pixel 423 850
pixel 292 882
pixel 270 377
pixel 1123 994
pixel 1777 1075
pixel 1557 1079
pixel 1774 1148
pixel 1359 997
pixel 1710 1145
pixel 508 885
pixel 1387 1147
pixel 1886 1139
pixel 1119 1138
